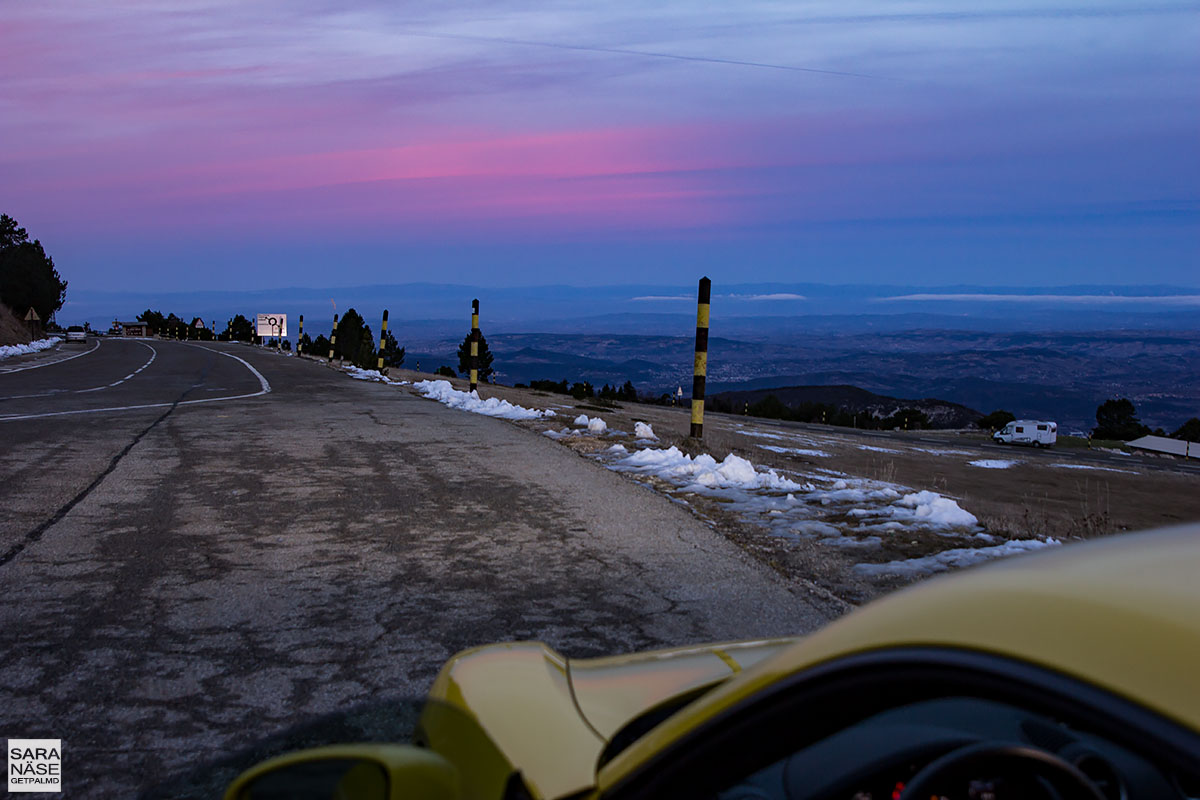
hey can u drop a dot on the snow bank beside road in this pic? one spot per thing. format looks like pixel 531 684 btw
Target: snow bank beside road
pixel 924 508
pixel 26 349
pixel 748 490
pixel 950 559
pixel 371 375
pixel 446 394
pixel 704 471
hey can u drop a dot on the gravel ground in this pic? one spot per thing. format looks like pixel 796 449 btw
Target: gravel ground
pixel 1061 494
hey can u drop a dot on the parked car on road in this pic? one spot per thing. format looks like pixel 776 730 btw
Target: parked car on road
pixel 76 333
pixel 1066 675
pixel 1038 433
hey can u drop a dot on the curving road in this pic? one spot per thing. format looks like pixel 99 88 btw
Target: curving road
pixel 191 562
pixel 63 383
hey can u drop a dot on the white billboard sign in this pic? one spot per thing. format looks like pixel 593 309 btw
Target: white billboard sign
pixel 271 325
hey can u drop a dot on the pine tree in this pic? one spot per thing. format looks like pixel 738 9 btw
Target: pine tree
pixel 393 353
pixel 28 278
pixel 485 358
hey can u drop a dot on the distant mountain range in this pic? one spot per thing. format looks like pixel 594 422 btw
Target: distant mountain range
pixel 1062 376
pixel 752 310
pixel 1052 353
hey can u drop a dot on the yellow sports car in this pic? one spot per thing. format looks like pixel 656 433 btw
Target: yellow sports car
pixel 1067 675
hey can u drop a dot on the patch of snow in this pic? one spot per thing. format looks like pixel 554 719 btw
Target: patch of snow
pixel 882 526
pixel 993 463
pixel 704 471
pixel 760 434
pixel 843 493
pixel 799 451
pixel 27 349
pixel 371 375
pixel 950 559
pixel 444 393
pixel 936 452
pixel 922 508
pixel 594 424
pixel 643 431
pixel 937 510
pixel 802 504
pixel 816 528
pixel 618 449
pixel 833 472
pixel 1089 466
pixel 852 543
pixel 874 449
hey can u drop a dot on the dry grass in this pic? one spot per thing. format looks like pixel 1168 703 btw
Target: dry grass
pixel 1090 515
pixel 12 329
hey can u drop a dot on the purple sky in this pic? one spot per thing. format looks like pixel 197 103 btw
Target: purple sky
pixel 246 145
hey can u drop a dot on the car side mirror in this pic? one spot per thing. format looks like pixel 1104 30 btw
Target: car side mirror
pixel 350 772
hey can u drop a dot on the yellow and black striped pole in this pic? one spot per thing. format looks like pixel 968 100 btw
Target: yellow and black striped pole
pixel 332 339
pixel 300 337
pixel 382 342
pixel 474 345
pixel 700 368
pixel 214 330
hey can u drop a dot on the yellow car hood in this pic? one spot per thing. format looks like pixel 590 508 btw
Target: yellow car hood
pixel 612 691
pixel 523 707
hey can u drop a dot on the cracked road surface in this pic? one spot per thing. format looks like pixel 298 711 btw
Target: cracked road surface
pixel 183 580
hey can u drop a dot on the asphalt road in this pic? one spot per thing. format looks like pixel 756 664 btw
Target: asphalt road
pixel 206 545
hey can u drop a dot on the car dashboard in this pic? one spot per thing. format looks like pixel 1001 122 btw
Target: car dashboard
pixel 1003 753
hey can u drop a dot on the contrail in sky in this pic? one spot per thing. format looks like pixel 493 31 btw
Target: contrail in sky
pixel 646 54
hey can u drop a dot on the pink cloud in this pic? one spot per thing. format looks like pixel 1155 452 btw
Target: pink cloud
pixel 114 126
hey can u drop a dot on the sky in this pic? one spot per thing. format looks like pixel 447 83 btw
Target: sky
pixel 248 145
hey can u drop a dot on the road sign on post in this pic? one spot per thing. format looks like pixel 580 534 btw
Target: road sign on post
pixel 31 315
pixel 32 318
pixel 271 325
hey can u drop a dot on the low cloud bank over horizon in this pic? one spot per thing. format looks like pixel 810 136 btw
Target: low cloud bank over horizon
pixel 1081 299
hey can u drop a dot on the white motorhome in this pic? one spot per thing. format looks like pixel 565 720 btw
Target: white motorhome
pixel 1036 432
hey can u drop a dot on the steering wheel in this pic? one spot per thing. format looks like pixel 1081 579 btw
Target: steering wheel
pixel 1016 761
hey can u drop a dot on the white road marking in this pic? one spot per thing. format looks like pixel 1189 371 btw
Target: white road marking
pixel 153 355
pixel 266 387
pixel 5 371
